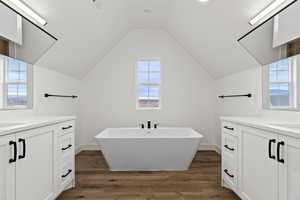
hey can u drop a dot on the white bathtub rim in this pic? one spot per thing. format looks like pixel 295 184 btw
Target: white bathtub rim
pixel 195 134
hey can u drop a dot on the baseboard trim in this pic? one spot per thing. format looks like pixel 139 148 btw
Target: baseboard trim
pixel 203 147
pixel 90 147
pixel 209 147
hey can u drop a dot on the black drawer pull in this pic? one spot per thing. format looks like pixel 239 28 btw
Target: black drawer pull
pixel 68 147
pixel 227 147
pixel 281 160
pixel 229 128
pixel 270 149
pixel 230 175
pixel 65 128
pixel 12 160
pixel 24 148
pixel 67 174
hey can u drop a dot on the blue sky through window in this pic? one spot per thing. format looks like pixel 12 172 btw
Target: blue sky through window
pixel 148 77
pixel 279 83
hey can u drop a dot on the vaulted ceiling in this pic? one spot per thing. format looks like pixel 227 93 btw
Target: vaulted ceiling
pixel 208 31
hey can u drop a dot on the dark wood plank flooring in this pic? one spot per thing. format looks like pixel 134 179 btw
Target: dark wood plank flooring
pixel 94 181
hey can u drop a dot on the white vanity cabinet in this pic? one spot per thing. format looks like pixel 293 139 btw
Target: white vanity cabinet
pixel 229 155
pixel 266 164
pixel 258 165
pixel 289 168
pixel 7 167
pixel 31 162
pixel 35 164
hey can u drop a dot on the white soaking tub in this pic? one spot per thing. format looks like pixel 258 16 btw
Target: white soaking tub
pixel 162 149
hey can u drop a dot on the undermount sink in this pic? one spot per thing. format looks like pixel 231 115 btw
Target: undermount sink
pixel 9 124
pixel 293 126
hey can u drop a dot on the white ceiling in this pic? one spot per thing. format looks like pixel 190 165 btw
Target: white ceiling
pixel 209 32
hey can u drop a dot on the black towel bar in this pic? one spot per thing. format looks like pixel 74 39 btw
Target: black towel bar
pixel 240 95
pixel 46 95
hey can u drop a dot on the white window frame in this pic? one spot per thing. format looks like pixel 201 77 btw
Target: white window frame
pixel 29 84
pixel 293 84
pixel 148 84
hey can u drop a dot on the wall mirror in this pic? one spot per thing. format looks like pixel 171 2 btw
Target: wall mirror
pixel 21 39
pixel 22 44
pixel 275 39
pixel 275 44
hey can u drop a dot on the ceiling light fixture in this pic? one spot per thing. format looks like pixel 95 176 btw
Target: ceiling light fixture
pixel 270 10
pixel 25 10
pixel 203 1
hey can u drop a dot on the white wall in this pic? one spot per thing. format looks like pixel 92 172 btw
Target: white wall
pixel 108 91
pixel 248 81
pixel 47 81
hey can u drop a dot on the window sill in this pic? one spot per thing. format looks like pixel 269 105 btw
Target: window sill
pixel 282 109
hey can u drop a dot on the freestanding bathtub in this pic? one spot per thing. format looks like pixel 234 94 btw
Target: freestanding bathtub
pixel 163 149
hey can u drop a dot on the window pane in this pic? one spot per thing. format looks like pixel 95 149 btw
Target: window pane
pixel 23 66
pixel 143 77
pixel 12 76
pixel 279 100
pixel 16 71
pixel 154 91
pixel 148 73
pixel 279 76
pixel 280 65
pixel 154 77
pixel 13 65
pixel 143 91
pixel 143 66
pixel 16 95
pixel 155 66
pixel 279 89
pixel 279 95
pixel 23 77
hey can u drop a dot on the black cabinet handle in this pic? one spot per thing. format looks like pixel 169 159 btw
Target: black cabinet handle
pixel 12 160
pixel 281 160
pixel 229 128
pixel 67 174
pixel 24 148
pixel 270 149
pixel 65 128
pixel 227 147
pixel 68 147
pixel 230 175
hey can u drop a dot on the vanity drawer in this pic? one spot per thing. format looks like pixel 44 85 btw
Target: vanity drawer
pixel 229 143
pixel 66 145
pixel 66 127
pixel 229 172
pixel 67 173
pixel 228 127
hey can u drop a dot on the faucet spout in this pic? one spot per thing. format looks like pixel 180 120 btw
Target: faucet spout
pixel 149 124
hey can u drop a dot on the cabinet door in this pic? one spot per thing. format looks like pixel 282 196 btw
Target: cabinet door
pixel 258 172
pixel 289 168
pixel 7 167
pixel 35 165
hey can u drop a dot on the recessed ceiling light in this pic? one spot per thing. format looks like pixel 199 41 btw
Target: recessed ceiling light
pixel 25 10
pixel 203 1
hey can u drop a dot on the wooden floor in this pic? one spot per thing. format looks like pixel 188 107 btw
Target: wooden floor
pixel 96 182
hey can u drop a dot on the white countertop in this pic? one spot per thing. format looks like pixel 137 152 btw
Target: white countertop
pixel 22 124
pixel 266 124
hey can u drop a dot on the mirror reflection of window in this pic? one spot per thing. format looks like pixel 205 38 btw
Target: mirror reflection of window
pixel 16 82
pixel 280 84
